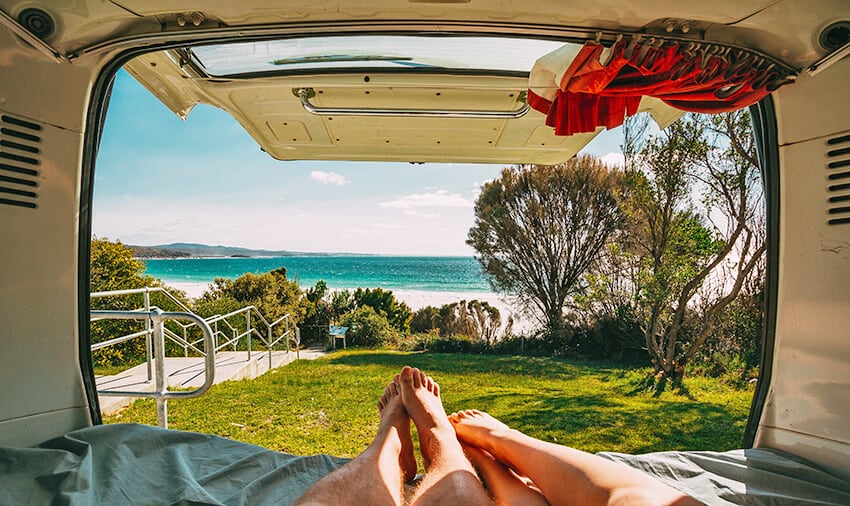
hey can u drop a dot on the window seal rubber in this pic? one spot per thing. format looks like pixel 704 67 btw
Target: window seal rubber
pixel 763 116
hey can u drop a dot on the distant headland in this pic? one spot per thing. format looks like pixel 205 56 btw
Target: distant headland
pixel 193 250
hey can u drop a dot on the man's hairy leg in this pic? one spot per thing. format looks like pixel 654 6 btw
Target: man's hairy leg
pixel 376 475
pixel 450 477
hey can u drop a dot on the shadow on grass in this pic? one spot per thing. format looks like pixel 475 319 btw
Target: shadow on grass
pixel 631 417
pixel 437 363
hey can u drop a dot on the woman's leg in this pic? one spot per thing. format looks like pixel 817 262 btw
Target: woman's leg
pixel 506 488
pixel 566 476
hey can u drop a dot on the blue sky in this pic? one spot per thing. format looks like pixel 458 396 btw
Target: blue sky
pixel 160 180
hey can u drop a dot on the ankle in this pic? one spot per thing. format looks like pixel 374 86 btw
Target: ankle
pixel 497 438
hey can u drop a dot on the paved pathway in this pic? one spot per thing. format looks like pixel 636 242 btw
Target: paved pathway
pixel 183 373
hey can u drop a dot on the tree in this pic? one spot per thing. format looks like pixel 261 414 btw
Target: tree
pixel 539 228
pixel 318 312
pixel 693 261
pixel 634 136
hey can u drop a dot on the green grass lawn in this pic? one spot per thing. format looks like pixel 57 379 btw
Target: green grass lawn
pixel 329 405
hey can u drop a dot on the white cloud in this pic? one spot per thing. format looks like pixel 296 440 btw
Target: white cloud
pixel 440 198
pixel 385 226
pixel 615 159
pixel 328 178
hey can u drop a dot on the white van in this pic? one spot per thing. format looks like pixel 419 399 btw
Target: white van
pixel 784 58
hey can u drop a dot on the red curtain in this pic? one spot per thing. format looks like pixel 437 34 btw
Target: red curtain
pixel 692 77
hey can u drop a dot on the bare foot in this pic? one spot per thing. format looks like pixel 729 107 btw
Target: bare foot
pixel 421 396
pixel 477 428
pixel 394 415
pixel 506 487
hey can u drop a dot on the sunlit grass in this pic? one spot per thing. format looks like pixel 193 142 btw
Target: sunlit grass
pixel 329 405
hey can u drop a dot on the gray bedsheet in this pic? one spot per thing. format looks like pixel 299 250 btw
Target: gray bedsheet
pixel 756 476
pixel 137 464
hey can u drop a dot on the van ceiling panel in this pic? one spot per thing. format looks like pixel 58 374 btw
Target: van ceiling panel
pixel 268 108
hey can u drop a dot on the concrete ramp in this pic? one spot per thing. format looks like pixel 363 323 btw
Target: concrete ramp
pixel 188 373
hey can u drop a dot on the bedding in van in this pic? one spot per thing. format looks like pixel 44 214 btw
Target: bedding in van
pixel 138 464
pixel 755 476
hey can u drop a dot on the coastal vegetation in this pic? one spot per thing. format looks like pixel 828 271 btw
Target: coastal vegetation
pixel 661 254
pixel 539 229
pixel 112 267
pixel 329 405
pixel 660 262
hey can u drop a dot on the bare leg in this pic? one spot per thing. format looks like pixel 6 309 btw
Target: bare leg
pixel 390 401
pixel 505 487
pixel 450 478
pixel 375 476
pixel 566 476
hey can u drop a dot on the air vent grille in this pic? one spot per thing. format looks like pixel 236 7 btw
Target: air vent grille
pixel 838 180
pixel 20 150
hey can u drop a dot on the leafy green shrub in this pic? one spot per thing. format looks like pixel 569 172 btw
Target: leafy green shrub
pixel 425 319
pixel 398 314
pixel 113 267
pixel 458 344
pixel 421 341
pixel 368 328
pixel 271 293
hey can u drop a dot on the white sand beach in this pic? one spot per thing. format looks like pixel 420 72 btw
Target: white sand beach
pixel 417 299
pixel 192 289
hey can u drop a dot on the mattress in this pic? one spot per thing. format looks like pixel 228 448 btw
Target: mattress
pixel 139 464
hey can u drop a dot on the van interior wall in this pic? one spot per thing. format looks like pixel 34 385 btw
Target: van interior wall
pixel 808 404
pixel 43 106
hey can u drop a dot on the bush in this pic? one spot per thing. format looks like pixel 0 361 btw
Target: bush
pixel 397 313
pixel 368 328
pixel 422 341
pixel 271 293
pixel 475 319
pixel 114 268
pixel 425 320
pixel 458 344
pixel 617 337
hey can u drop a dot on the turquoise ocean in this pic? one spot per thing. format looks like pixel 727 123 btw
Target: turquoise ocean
pixel 439 274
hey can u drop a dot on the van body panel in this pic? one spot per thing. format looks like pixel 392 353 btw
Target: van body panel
pixel 806 408
pixel 43 393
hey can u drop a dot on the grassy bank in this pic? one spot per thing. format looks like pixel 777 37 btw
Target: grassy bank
pixel 328 405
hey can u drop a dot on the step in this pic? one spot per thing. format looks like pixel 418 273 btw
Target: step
pixel 188 372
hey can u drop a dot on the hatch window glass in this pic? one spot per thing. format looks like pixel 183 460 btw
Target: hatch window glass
pixel 488 54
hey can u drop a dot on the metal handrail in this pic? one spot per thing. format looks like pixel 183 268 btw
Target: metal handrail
pixel 147 289
pixel 118 340
pixel 305 94
pixel 161 393
pixel 184 343
pixel 290 332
